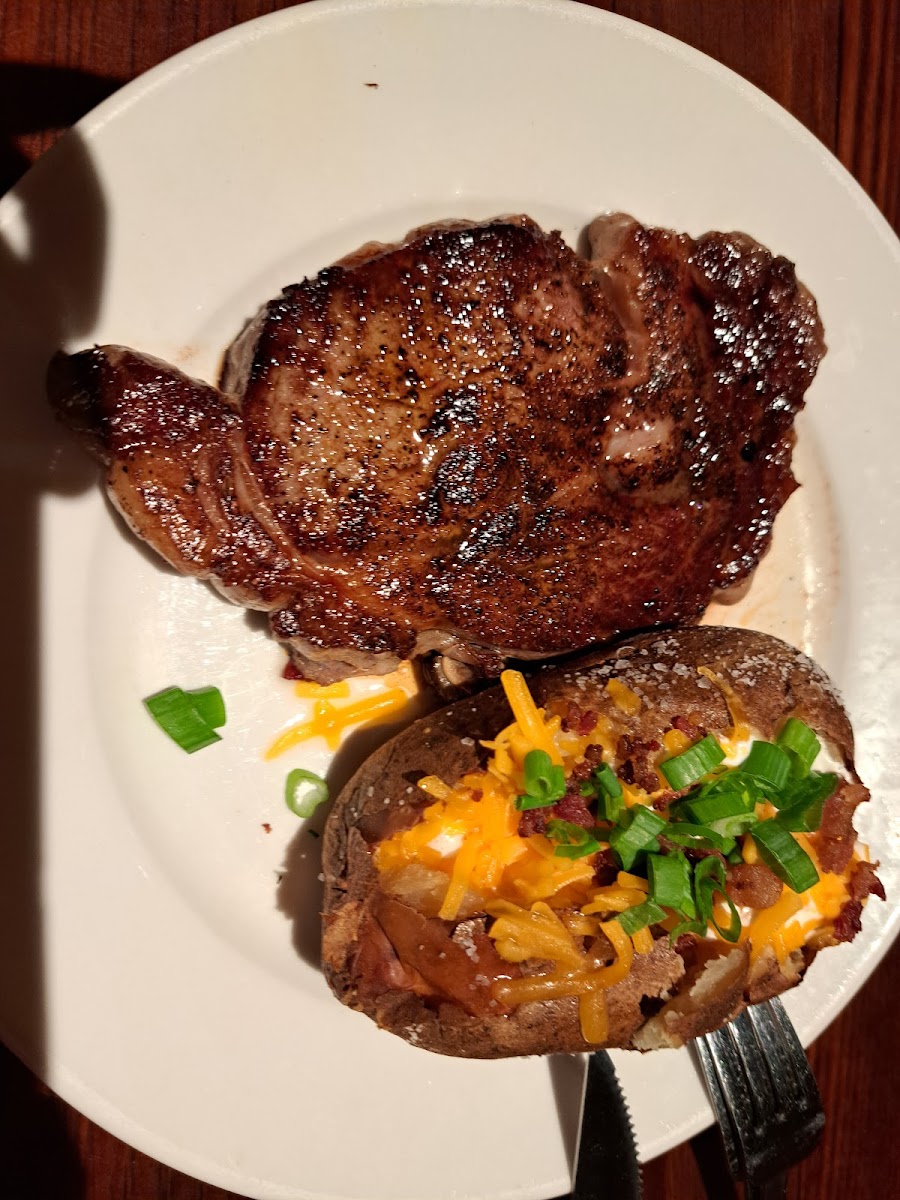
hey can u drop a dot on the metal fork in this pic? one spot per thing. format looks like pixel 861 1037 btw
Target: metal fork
pixel 764 1095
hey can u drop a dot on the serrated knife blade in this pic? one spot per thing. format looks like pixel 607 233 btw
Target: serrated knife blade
pixel 606 1159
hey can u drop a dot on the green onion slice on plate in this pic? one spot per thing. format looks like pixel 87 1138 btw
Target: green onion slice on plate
pixel 303 801
pixel 189 718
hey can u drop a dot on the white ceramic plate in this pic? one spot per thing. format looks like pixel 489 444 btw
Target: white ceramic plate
pixel 162 980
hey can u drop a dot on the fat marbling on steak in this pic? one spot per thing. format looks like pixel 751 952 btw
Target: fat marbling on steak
pixel 476 443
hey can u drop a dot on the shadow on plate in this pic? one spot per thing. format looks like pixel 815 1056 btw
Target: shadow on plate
pixel 299 895
pixel 52 261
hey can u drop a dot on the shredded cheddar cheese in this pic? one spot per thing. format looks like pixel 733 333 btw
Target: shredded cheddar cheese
pixel 546 907
pixel 624 698
pixel 642 941
pixel 305 690
pixel 740 726
pixel 593 1015
pixel 330 721
pixel 614 899
pixel 529 718
pixel 777 928
pixel 539 933
pixel 674 741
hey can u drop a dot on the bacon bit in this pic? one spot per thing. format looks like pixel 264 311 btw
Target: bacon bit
pixel 636 768
pixel 572 807
pixel 667 798
pixel 848 922
pixel 864 882
pixel 686 948
pixel 579 720
pixel 693 853
pixel 593 757
pixel 290 671
pixel 533 820
pixel 267 827
pixel 837 837
pixel 686 726
pixel 606 869
pixel 753 885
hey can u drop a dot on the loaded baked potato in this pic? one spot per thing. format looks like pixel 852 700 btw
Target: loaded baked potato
pixel 622 851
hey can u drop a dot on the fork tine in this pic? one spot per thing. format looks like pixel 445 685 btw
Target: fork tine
pixel 764 1095
pixel 806 1097
pixel 720 1106
pixel 783 1057
pixel 756 1066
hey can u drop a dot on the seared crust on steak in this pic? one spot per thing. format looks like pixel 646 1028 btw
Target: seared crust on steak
pixel 674 993
pixel 477 443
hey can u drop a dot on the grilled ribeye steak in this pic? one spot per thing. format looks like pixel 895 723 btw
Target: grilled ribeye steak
pixel 477 442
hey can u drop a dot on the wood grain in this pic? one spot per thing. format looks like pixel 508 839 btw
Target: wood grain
pixel 834 65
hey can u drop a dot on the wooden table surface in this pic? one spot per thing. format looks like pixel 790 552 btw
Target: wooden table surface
pixel 835 64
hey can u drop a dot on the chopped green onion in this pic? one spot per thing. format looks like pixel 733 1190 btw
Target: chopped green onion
pixel 801 818
pixel 802 811
pixel 708 870
pixel 688 926
pixel 768 762
pixel 640 834
pixel 209 704
pixel 712 808
pixel 817 785
pixel 176 714
pixel 709 881
pixel 732 931
pixel 734 857
pixel 698 837
pixel 734 827
pixel 669 876
pixel 545 782
pixel 574 841
pixel 610 808
pixel 730 782
pixel 784 855
pixel 603 778
pixel 529 801
pixel 607 789
pixel 692 764
pixel 305 805
pixel 797 737
pixel 640 916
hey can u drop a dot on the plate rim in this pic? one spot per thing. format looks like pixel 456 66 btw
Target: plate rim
pixel 230 40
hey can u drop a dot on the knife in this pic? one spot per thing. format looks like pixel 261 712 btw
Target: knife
pixel 606 1159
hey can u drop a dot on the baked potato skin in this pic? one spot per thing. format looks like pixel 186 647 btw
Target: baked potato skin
pixel 660 1003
